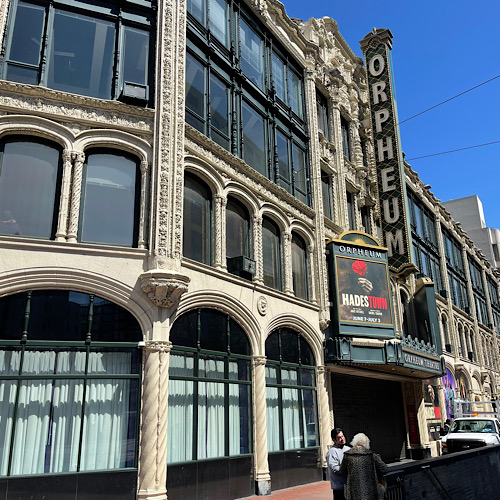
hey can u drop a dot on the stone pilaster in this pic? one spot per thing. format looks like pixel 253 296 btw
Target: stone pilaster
pixel 145 168
pixel 257 247
pixel 262 475
pixel 311 275
pixel 78 159
pixel 167 183
pixel 62 222
pixel 152 476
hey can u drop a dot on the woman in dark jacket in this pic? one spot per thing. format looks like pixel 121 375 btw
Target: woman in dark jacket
pixel 364 471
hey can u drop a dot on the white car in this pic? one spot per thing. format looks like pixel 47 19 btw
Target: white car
pixel 471 432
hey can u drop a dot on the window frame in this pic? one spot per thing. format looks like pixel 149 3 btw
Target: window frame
pixel 16 138
pixel 85 344
pixel 227 356
pixel 304 371
pixel 278 251
pixel 207 252
pixel 122 14
pixel 137 194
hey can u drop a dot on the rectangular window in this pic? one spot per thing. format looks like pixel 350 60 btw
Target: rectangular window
pixel 279 77
pixel 365 219
pixel 327 196
pixel 350 211
pixel 346 141
pixel 195 93
pixel 295 93
pixel 219 111
pixel 283 160
pixel 254 152
pixel 252 54
pixel 300 173
pixel 86 53
pixel 322 112
pixel 219 27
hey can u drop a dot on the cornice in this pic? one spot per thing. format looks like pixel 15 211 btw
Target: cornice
pixel 23 98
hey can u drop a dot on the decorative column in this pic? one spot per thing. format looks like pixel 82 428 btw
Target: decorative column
pixel 152 478
pixel 145 167
pixel 257 248
pixel 323 412
pixel 220 232
pixel 163 281
pixel 62 222
pixel 311 275
pixel 78 159
pixel 287 263
pixel 262 476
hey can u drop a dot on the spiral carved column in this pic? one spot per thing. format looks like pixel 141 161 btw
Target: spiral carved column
pixel 257 247
pixel 153 439
pixel 76 194
pixel 262 476
pixel 323 413
pixel 62 222
pixel 220 232
pixel 287 263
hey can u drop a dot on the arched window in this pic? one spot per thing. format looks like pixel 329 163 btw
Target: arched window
pixel 70 396
pixel 237 234
pixel 30 179
pixel 290 392
pixel 209 398
pixel 197 219
pixel 271 254
pixel 110 199
pixel 299 268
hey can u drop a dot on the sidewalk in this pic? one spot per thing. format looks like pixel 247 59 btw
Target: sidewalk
pixel 312 491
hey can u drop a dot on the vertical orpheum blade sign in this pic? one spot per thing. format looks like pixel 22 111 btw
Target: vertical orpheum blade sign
pixel 376 47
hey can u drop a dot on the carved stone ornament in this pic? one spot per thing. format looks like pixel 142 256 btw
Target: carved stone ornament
pixel 164 289
pixel 262 305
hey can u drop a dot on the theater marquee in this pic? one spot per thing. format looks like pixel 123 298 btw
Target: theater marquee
pixel 376 47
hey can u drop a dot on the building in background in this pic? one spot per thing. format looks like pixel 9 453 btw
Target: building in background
pixel 468 211
pixel 197 249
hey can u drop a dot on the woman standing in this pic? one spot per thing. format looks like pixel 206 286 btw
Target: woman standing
pixel 364 470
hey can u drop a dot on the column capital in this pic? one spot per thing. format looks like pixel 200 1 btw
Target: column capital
pixel 164 288
pixel 158 346
pixel 259 360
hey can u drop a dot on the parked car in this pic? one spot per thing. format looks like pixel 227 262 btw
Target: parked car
pixel 471 432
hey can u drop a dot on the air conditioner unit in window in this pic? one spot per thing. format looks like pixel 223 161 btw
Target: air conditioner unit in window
pixel 448 348
pixel 241 266
pixel 135 92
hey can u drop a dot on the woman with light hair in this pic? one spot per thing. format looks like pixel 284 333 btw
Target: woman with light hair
pixel 364 470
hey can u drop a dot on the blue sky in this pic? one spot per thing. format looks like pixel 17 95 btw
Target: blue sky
pixel 440 49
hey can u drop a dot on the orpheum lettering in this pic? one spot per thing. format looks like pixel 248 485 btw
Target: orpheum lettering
pixel 390 174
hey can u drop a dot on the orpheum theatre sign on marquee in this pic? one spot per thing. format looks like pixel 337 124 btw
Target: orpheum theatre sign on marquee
pixel 376 47
pixel 359 269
